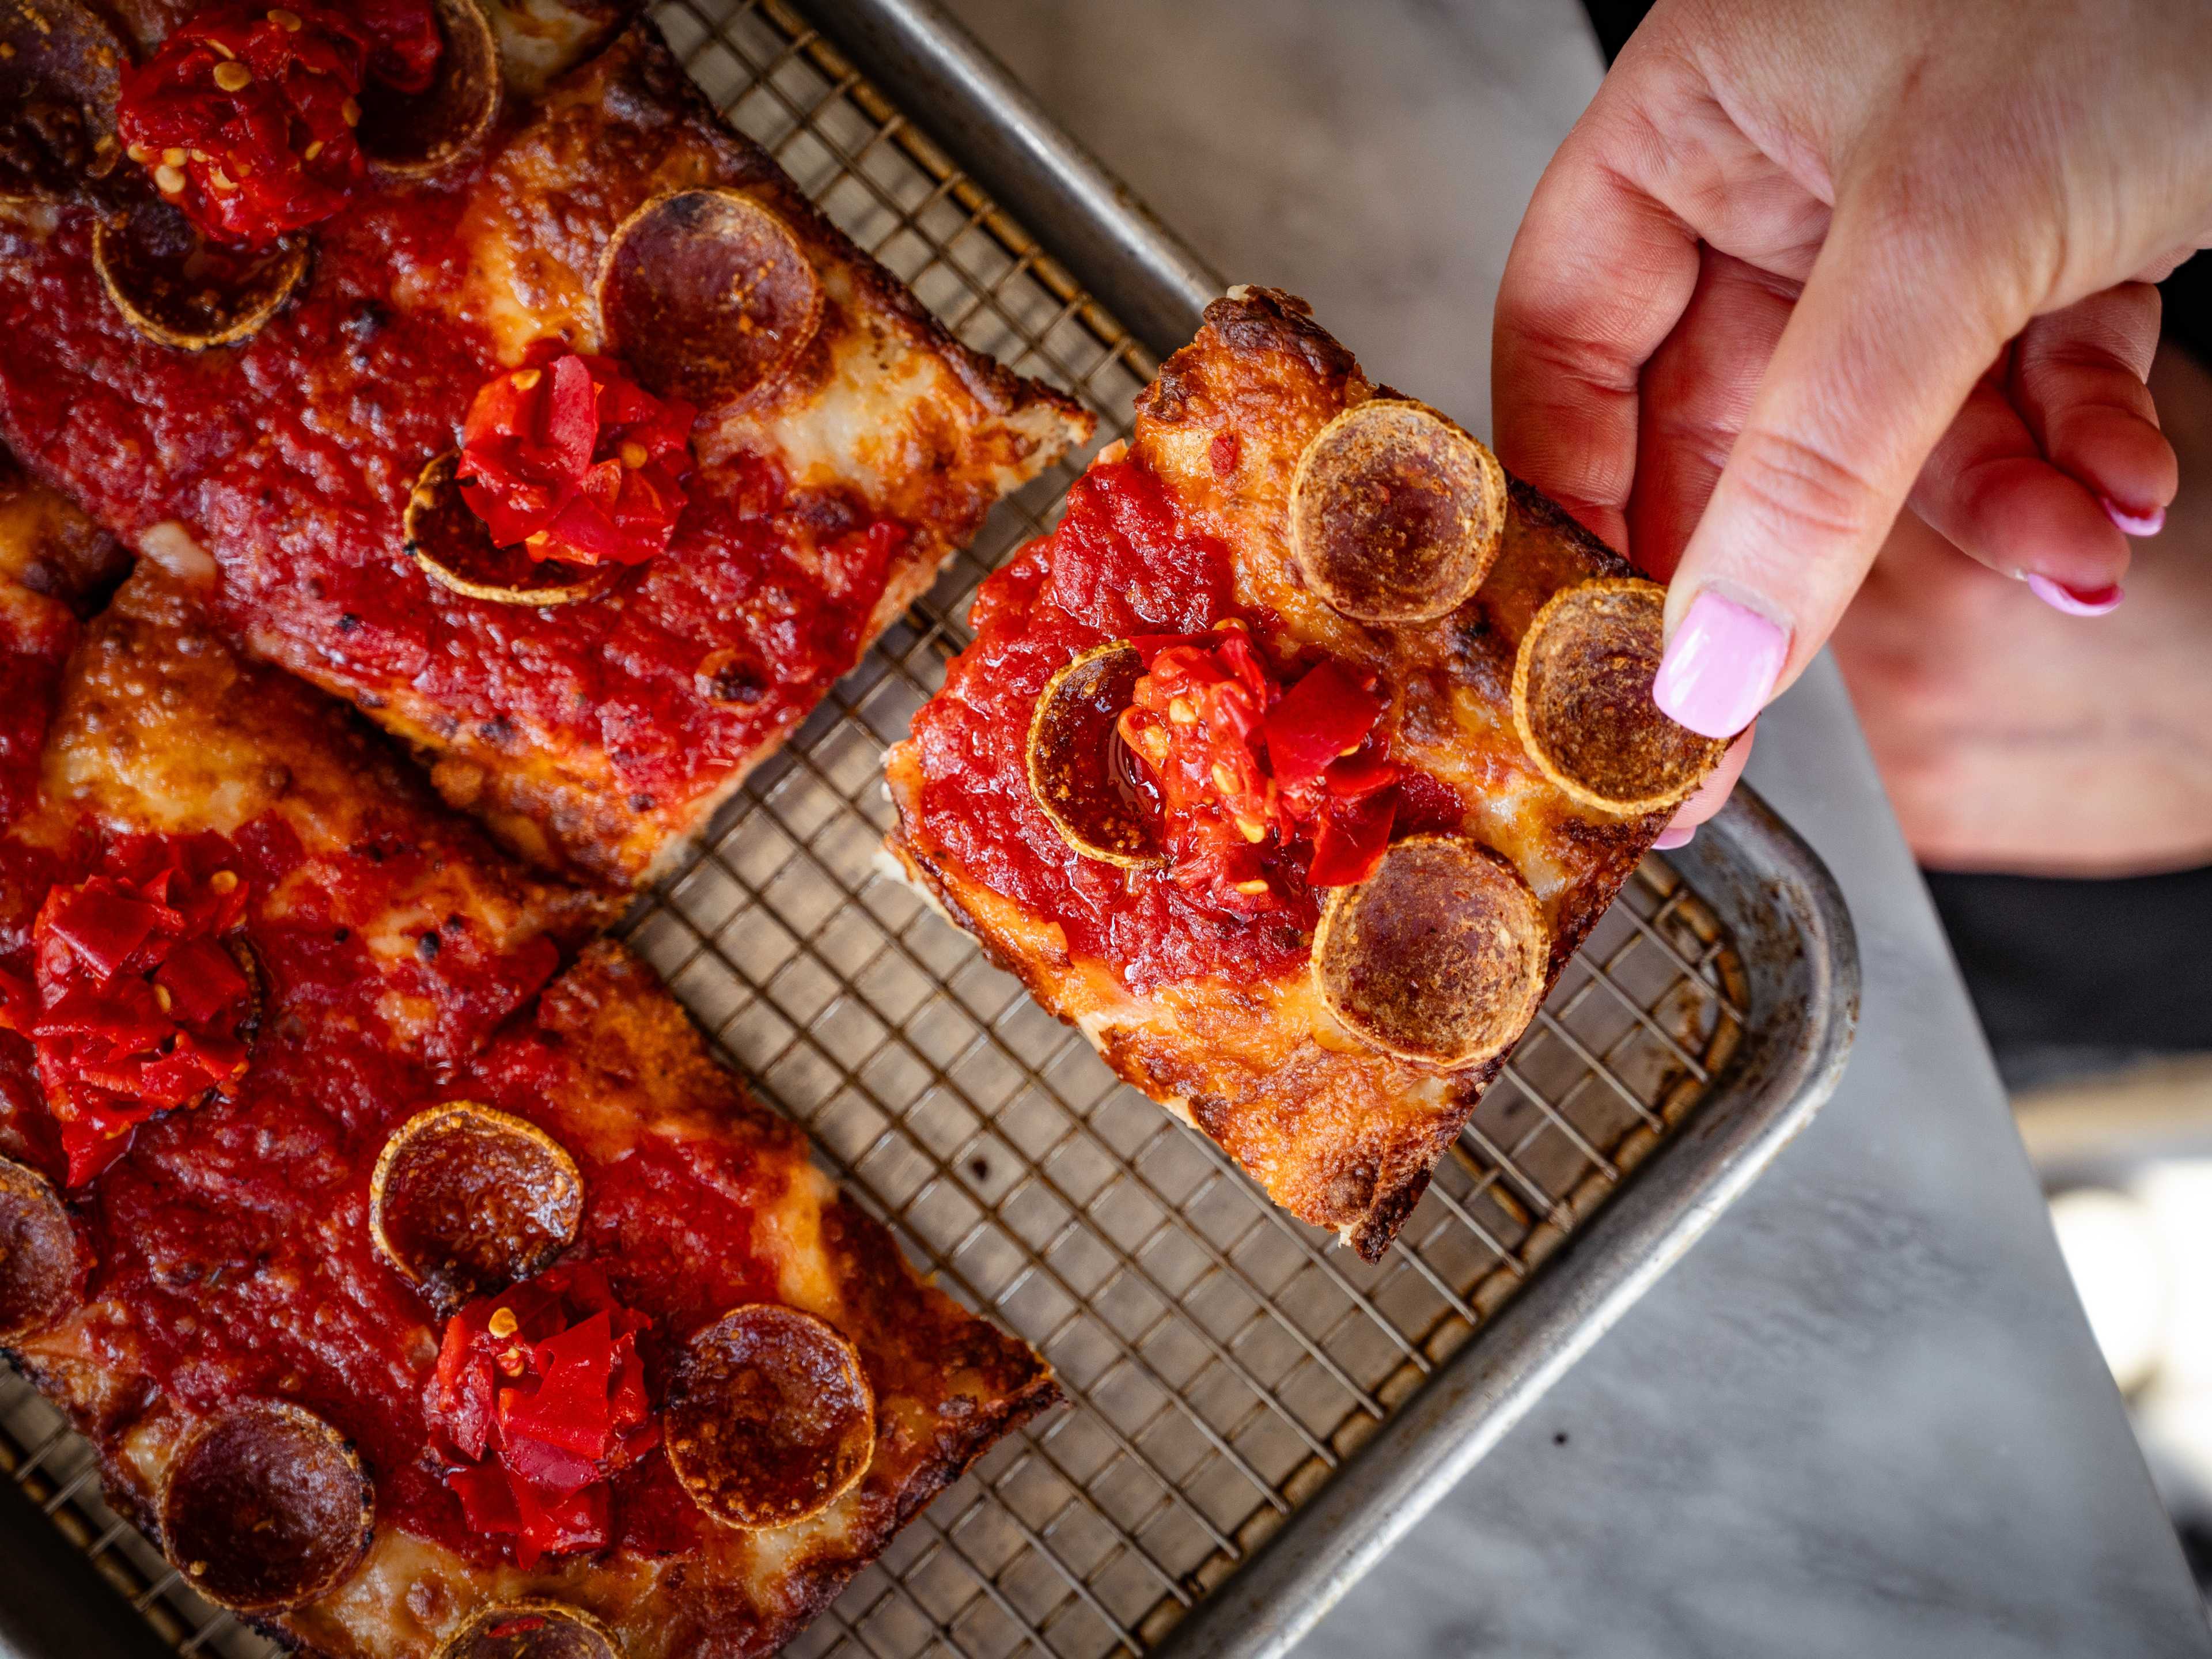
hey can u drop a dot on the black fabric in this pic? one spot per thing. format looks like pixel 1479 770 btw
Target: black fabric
pixel 2105 970
pixel 2189 306
pixel 1614 21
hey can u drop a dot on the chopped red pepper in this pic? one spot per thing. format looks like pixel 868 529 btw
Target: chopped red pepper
pixel 244 117
pixel 102 924
pixel 1265 792
pixel 135 1005
pixel 571 460
pixel 19 1002
pixel 1349 839
pixel 539 1399
pixel 1327 714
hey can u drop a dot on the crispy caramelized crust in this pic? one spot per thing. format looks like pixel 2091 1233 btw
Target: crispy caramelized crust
pixel 407 962
pixel 1339 1134
pixel 48 547
pixel 598 736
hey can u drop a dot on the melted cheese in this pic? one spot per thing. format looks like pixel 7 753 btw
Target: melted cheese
pixel 24 518
pixel 789 1233
pixel 539 39
pixel 172 546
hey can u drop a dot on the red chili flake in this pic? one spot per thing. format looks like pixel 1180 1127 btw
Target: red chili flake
pixel 1265 793
pixel 135 1005
pixel 571 460
pixel 533 1445
pixel 244 118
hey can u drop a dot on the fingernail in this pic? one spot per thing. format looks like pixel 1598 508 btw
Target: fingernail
pixel 1671 837
pixel 2132 524
pixel 1720 667
pixel 2076 601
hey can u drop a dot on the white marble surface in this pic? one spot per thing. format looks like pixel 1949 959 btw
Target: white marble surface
pixel 1863 1416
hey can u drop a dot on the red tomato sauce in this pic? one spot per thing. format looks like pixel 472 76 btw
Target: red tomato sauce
pixel 34 643
pixel 291 458
pixel 235 1234
pixel 1121 565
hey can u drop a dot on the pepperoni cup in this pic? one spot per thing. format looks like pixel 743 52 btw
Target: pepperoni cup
pixel 181 290
pixel 1582 700
pixel 415 134
pixel 465 1200
pixel 43 1261
pixel 707 296
pixel 266 1507
pixel 1083 779
pixel 769 1418
pixel 61 71
pixel 534 1629
pixel 1438 956
pixel 1395 514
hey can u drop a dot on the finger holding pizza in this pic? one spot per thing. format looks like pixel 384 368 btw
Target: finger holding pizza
pixel 1887 258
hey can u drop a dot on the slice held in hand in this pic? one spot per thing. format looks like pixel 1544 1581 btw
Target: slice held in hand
pixel 1294 764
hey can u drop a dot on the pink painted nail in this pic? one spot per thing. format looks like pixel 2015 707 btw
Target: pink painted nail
pixel 2076 601
pixel 1670 838
pixel 1720 667
pixel 2133 523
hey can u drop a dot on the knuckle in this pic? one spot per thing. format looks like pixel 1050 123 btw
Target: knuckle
pixel 1936 227
pixel 1798 487
pixel 1585 362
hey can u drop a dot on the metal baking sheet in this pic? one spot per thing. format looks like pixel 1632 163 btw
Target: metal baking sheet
pixel 1255 1415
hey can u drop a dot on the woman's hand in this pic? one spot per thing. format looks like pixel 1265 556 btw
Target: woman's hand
pixel 1799 265
pixel 2011 737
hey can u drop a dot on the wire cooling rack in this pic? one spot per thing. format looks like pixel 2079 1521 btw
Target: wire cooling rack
pixel 1222 1360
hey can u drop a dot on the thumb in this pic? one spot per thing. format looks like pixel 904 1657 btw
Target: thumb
pixel 1899 317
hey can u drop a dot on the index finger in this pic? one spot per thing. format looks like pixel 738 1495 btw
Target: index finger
pixel 1600 273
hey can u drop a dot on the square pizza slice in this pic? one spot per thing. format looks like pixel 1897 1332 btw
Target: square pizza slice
pixel 580 451
pixel 1292 766
pixel 423 1283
